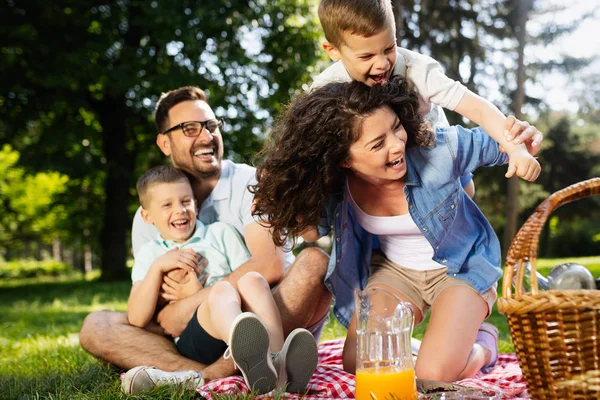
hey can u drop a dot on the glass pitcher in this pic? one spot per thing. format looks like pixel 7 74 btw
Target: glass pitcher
pixel 384 362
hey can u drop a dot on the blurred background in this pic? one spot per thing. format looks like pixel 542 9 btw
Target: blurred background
pixel 79 81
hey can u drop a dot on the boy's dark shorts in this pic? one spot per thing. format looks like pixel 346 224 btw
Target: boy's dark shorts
pixel 196 344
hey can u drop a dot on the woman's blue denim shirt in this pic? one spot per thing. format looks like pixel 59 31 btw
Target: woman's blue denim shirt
pixel 459 233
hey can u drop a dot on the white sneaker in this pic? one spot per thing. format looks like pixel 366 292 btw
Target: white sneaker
pixel 297 361
pixel 249 348
pixel 143 379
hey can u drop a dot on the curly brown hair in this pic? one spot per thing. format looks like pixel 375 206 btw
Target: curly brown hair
pixel 302 160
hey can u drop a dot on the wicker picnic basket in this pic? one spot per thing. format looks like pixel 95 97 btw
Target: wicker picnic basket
pixel 556 333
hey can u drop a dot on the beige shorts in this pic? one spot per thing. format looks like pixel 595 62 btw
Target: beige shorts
pixel 421 287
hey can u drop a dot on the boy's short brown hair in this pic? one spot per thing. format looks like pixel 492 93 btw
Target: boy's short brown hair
pixel 359 17
pixel 155 175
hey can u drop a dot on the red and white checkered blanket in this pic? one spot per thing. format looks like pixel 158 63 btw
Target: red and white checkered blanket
pixel 331 382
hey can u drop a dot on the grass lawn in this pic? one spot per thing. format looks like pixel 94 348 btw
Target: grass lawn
pixel 40 356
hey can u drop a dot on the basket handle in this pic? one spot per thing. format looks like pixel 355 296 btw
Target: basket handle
pixel 524 246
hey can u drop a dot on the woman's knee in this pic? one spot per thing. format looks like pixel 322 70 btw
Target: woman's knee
pixel 437 370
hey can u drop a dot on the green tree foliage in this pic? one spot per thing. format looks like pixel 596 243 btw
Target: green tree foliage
pixel 588 97
pixel 27 208
pixel 81 79
pixel 450 32
pixel 569 157
pixel 476 42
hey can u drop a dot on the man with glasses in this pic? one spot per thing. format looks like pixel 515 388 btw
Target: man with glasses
pixel 190 134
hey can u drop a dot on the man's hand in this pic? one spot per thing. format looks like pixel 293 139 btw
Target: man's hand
pixel 518 132
pixel 174 290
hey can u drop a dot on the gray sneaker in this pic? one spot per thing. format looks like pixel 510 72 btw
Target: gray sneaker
pixel 143 379
pixel 249 348
pixel 297 361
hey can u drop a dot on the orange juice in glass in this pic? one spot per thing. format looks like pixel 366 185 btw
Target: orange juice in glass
pixel 384 362
pixel 386 383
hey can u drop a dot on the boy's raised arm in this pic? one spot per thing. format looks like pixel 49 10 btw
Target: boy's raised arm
pixel 434 86
pixel 493 121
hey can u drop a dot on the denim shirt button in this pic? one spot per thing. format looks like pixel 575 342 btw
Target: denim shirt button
pixel 424 229
pixel 452 206
pixel 337 239
pixel 411 206
pixel 337 214
pixel 444 261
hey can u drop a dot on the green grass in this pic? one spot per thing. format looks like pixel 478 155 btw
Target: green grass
pixel 40 356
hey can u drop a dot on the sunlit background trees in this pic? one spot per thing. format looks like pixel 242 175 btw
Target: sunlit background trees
pixel 79 81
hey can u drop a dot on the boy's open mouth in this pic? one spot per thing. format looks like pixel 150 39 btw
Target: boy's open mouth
pixel 180 223
pixel 381 78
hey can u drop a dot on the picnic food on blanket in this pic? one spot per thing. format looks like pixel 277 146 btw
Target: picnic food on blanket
pixel 384 361
pixel 463 394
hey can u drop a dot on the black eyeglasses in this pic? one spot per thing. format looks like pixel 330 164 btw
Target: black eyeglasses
pixel 193 128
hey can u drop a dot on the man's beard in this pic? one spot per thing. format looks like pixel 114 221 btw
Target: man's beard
pixel 207 172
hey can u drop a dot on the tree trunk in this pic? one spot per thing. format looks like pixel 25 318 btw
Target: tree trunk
pixel 77 257
pixel 87 258
pixel 512 197
pixel 38 250
pixel 57 250
pixel 119 162
pixel 398 6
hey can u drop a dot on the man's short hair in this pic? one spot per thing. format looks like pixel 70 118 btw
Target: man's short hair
pixel 155 175
pixel 358 17
pixel 171 99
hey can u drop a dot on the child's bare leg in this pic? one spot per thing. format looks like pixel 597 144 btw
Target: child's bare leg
pixel 217 313
pixel 246 334
pixel 256 297
pixel 294 359
pixel 447 352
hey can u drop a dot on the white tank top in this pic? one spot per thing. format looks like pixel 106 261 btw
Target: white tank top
pixel 400 239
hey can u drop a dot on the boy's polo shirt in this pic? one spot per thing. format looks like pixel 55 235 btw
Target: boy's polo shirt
pixel 219 243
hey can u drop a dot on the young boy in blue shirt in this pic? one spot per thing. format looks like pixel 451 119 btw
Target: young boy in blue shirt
pixel 219 323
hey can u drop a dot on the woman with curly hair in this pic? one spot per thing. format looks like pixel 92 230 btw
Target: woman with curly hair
pixel 360 161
